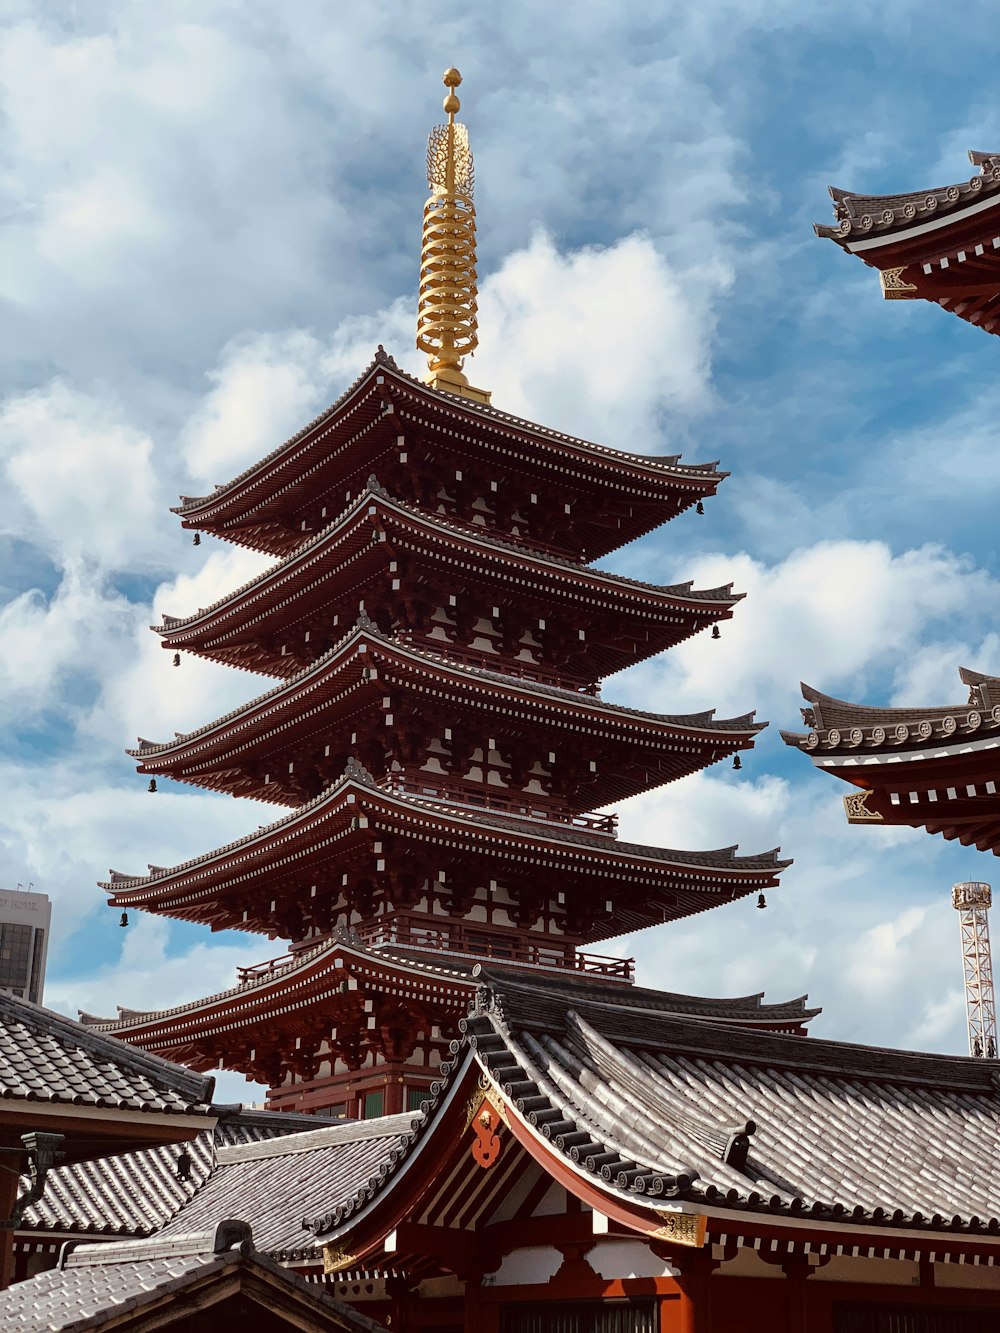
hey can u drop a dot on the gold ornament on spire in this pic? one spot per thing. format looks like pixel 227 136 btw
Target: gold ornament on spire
pixel 447 329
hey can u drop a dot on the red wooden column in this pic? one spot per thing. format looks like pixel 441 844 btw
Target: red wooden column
pixel 9 1181
pixel 796 1268
pixel 692 1311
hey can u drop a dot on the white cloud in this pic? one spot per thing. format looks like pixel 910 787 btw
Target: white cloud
pixel 830 614
pixel 83 475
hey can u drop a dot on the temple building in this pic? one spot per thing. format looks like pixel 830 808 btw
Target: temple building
pixel 526 1141
pixel 926 767
pixel 437 738
pixel 940 245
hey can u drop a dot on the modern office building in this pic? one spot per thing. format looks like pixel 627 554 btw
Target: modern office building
pixel 24 942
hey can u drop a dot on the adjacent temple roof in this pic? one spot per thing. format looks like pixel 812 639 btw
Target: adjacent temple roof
pixel 940 245
pixel 45 1057
pixel 276 1183
pixel 927 766
pixel 162 1283
pixel 632 1106
pixel 137 1193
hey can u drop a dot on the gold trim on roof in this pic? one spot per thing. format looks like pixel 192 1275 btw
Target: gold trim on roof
pixel 447 327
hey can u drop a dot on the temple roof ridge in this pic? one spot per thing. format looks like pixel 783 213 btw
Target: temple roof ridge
pixel 356 509
pixel 636 998
pixel 287 1145
pixel 455 405
pixel 874 214
pixel 838 724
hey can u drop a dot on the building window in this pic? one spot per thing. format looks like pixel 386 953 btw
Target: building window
pixel 15 951
pixel 373 1104
pixel 911 1319
pixel 415 1097
pixel 37 957
pixel 580 1317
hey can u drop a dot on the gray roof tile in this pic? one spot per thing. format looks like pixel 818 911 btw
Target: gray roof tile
pixel 46 1057
pixel 134 1194
pixel 95 1284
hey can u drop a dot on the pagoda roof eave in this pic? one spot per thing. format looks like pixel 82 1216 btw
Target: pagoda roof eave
pixel 365 635
pixel 193 507
pixel 706 600
pixel 338 954
pixel 167 890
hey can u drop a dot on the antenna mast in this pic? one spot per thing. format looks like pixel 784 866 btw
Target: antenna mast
pixel 972 901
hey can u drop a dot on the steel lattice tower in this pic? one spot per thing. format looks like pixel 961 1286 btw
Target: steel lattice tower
pixel 972 901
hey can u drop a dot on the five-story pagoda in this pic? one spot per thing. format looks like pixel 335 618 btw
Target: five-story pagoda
pixel 437 731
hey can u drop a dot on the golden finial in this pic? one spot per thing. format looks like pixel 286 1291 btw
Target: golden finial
pixel 446 316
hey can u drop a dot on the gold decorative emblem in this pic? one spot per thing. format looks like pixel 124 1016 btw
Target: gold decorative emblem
pixel 334 1260
pixel 485 1092
pixel 856 809
pixel 447 326
pixel 681 1228
pixel 893 286
pixel 486 1146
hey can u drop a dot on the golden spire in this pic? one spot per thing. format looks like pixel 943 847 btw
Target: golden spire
pixel 446 315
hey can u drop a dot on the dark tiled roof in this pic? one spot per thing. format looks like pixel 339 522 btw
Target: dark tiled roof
pixel 837 725
pixel 661 1106
pixel 95 1284
pixel 134 1194
pixel 861 215
pixel 644 1000
pixel 46 1057
pixel 277 1183
pixel 832 1130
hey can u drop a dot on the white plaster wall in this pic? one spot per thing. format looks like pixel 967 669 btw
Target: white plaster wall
pixel 538 1264
pixel 627 1258
pixel 978 1277
pixel 886 1272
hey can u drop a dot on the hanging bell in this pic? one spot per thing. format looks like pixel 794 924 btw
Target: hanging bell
pixel 196 539
pixel 699 508
pixel 761 902
pixel 152 785
pixel 124 921
pixel 715 634
pixel 177 659
pixel 737 763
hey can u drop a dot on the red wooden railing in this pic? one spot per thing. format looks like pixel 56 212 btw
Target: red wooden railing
pixel 470 943
pixel 505 803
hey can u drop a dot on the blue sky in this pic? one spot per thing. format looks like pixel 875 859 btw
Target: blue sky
pixel 211 217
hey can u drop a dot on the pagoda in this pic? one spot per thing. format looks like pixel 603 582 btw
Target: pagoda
pixel 940 245
pixel 437 736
